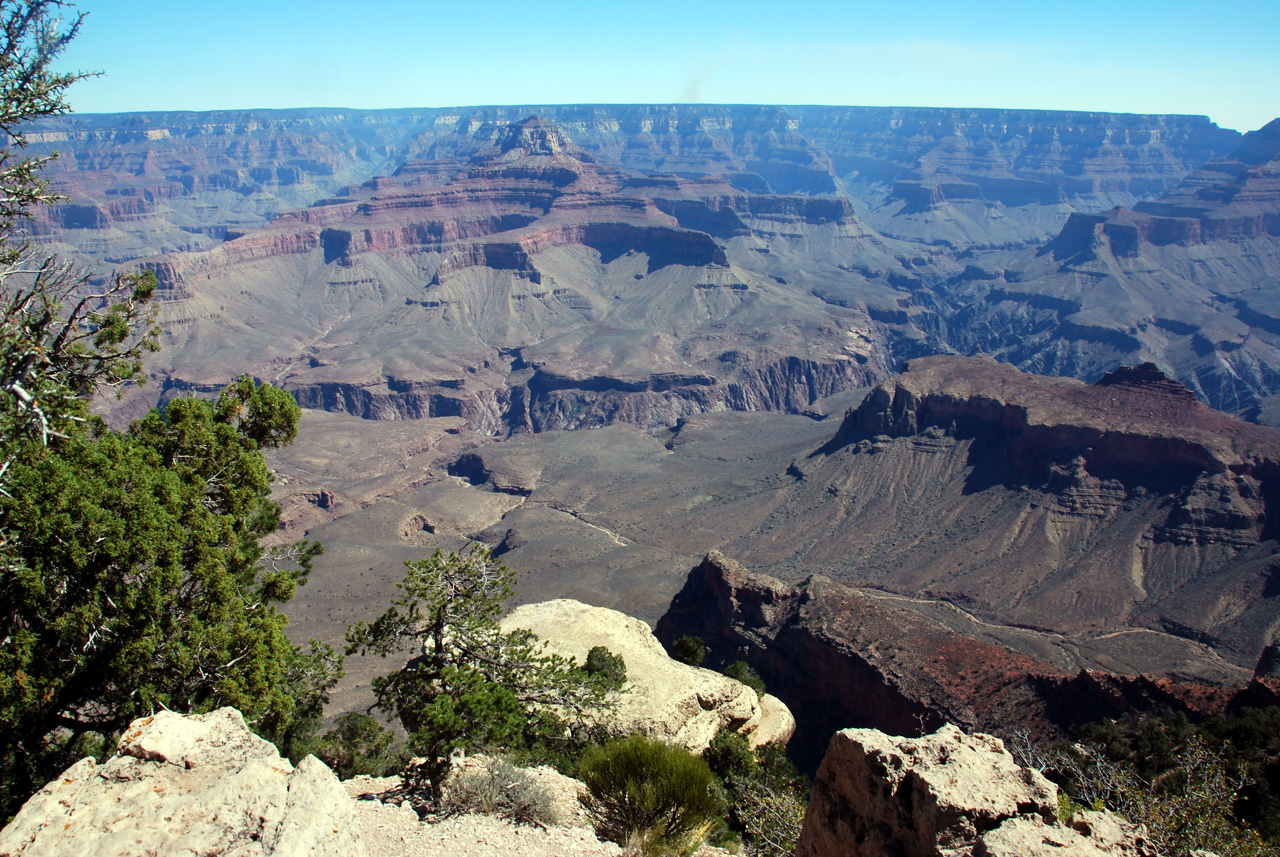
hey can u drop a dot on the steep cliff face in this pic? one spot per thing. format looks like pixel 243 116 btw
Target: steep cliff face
pixel 871 234
pixel 1044 502
pixel 844 657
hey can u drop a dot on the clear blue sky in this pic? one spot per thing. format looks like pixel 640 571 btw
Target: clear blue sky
pixel 1219 59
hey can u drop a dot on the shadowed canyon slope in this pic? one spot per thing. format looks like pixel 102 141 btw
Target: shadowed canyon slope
pixel 1071 511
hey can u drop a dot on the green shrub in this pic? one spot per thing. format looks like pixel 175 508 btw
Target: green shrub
pixel 357 745
pixel 689 650
pixel 768 794
pixel 605 664
pixel 742 671
pixel 650 796
pixel 729 755
pixel 500 788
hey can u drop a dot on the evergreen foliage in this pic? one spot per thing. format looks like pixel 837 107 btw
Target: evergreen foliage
pixel 131 574
pixel 689 650
pixel 769 795
pixel 654 797
pixel 743 672
pixel 609 667
pixel 357 745
pixel 474 687
pixel 141 582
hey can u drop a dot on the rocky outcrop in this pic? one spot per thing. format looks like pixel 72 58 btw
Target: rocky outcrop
pixel 1133 429
pixel 201 784
pixel 946 794
pixel 846 657
pixel 664 699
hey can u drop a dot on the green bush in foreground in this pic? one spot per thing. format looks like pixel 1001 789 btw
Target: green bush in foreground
pixel 769 794
pixel 357 745
pixel 650 796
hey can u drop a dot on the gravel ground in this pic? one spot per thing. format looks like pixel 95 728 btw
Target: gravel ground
pixel 390 830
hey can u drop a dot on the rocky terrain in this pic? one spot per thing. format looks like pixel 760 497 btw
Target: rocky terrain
pixel 202 784
pixel 980 500
pixel 665 699
pixel 205 784
pixel 851 657
pixel 563 267
pixel 946 794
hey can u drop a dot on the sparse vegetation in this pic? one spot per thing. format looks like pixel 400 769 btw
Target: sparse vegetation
pixel 499 788
pixel 357 745
pixel 650 796
pixel 769 795
pixel 689 650
pixel 743 672
pixel 474 687
pixel 1189 787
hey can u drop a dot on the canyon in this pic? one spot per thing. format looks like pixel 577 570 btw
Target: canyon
pixel 609 339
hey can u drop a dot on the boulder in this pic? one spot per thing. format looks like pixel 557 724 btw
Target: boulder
pixel 946 794
pixel 184 785
pixel 665 699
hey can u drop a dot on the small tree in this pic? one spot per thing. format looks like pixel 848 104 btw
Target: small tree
pixel 473 687
pixel 357 745
pixel 689 650
pixel 743 672
pixel 142 583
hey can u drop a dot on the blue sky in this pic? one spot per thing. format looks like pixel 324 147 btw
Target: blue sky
pixel 1222 60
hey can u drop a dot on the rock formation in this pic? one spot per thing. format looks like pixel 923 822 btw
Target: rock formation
pixel 201 784
pixel 847 657
pixel 946 794
pixel 665 699
pixel 504 236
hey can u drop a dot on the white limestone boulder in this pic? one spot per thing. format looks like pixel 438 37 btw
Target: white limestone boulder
pixel 665 699
pixel 186 785
pixel 946 795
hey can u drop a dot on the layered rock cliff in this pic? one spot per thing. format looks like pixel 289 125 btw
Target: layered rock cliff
pixel 871 234
pixel 1041 502
pixel 843 657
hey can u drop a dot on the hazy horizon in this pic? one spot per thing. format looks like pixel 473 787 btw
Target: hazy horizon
pixel 1094 57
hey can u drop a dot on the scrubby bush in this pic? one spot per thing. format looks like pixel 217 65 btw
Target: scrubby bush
pixel 743 672
pixel 769 795
pixel 357 745
pixel 771 818
pixel 1249 744
pixel 605 664
pixel 1186 804
pixel 500 788
pixel 647 795
pixel 689 650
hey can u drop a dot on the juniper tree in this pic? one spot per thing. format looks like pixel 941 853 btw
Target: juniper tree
pixel 132 574
pixel 473 686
